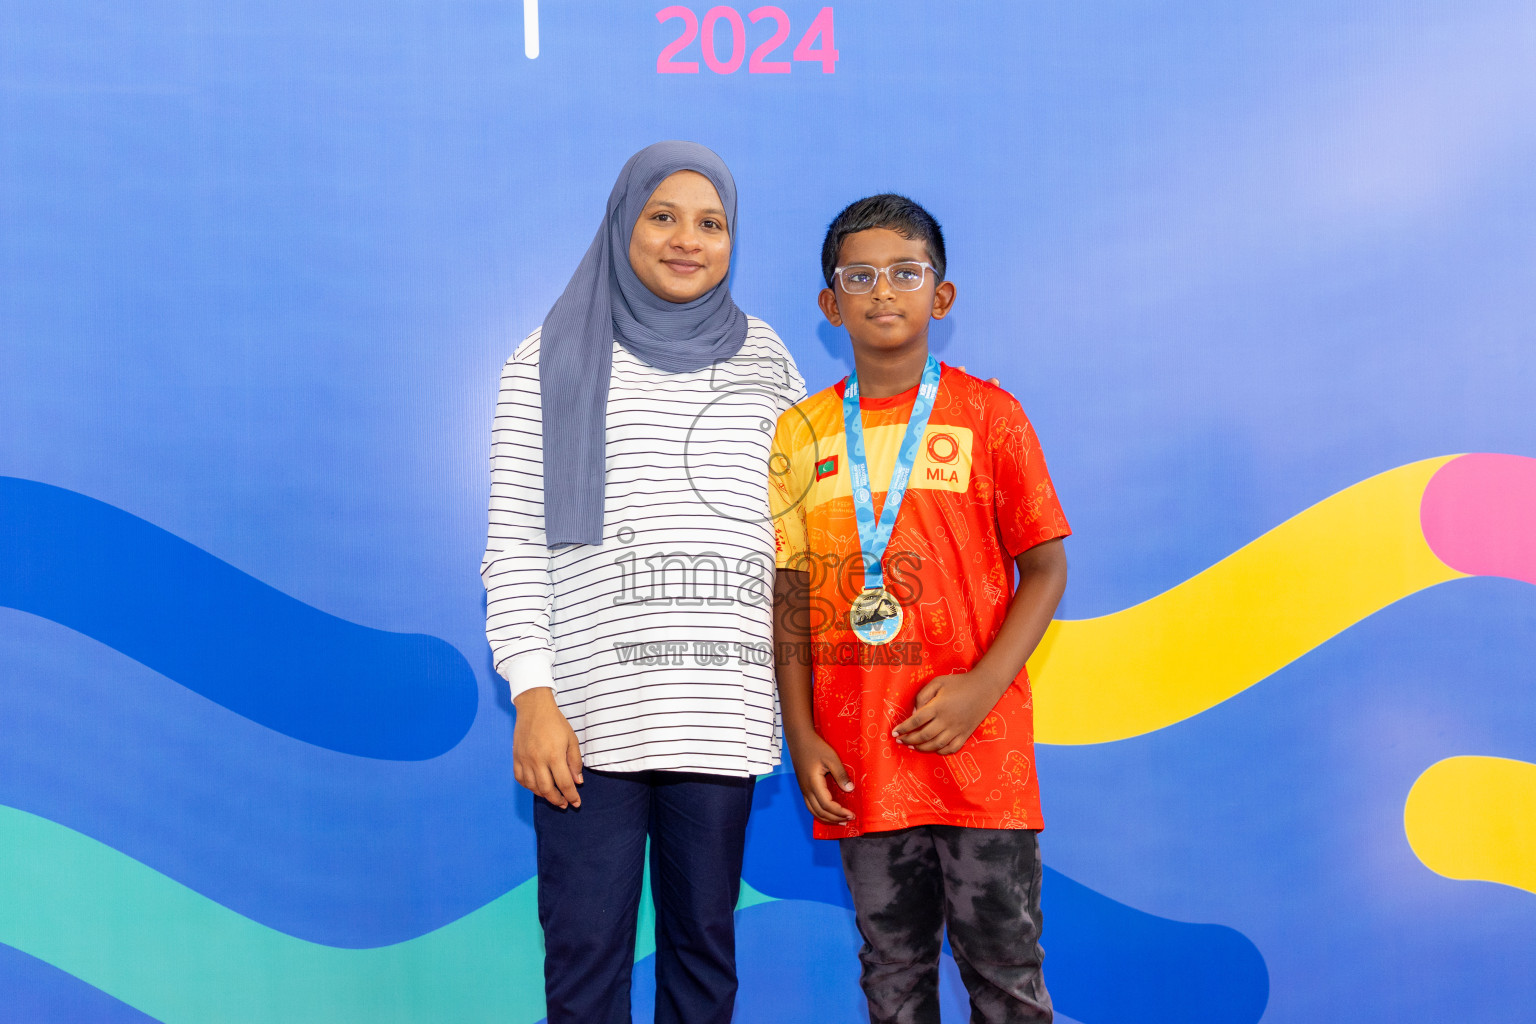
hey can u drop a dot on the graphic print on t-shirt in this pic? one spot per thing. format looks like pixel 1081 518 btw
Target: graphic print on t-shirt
pixel 979 495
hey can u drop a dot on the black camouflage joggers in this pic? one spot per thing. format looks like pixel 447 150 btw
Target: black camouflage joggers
pixel 985 884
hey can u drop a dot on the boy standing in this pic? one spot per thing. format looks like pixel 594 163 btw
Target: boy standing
pixel 915 749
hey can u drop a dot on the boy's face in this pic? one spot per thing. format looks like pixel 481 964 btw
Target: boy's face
pixel 681 245
pixel 885 319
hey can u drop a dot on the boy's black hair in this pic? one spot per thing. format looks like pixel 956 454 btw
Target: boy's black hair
pixel 887 210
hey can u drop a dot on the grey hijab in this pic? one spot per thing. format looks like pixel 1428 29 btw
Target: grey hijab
pixel 605 301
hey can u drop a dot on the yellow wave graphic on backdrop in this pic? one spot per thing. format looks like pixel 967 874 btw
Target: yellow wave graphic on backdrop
pixel 1307 580
pixel 1246 617
pixel 1474 818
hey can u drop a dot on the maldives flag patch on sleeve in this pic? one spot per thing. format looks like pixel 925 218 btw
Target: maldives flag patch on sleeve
pixel 826 467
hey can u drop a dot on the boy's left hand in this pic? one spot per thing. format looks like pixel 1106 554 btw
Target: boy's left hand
pixel 947 711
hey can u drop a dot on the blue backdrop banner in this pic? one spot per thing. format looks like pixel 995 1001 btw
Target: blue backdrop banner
pixel 1261 275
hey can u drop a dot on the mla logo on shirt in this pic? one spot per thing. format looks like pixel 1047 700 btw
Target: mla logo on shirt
pixel 943 448
pixel 940 475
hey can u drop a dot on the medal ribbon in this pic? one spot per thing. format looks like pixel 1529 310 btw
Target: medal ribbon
pixel 874 536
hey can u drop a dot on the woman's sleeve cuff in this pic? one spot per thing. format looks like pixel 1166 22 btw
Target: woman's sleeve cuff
pixel 525 672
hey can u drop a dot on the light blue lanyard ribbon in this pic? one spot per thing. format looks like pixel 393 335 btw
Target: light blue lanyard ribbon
pixel 874 536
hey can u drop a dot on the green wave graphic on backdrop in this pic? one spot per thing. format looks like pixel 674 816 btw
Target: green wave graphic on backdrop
pixel 178 956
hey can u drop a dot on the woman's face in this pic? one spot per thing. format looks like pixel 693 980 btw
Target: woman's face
pixel 681 245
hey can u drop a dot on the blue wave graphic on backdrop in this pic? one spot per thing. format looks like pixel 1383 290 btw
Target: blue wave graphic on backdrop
pixel 275 660
pixel 66 898
pixel 225 634
pixel 1108 963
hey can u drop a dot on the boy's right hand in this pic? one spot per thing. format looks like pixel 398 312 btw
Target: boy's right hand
pixel 814 761
pixel 546 758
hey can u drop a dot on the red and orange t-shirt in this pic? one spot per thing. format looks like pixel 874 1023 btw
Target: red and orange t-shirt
pixel 979 496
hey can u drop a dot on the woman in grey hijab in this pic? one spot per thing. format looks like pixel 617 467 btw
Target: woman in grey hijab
pixel 607 301
pixel 629 573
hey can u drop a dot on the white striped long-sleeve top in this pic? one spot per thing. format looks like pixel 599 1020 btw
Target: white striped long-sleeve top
pixel 658 644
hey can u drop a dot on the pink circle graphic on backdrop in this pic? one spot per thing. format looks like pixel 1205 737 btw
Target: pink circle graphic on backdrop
pixel 1479 515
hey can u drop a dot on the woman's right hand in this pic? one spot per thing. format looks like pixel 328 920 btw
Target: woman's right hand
pixel 546 758
pixel 815 760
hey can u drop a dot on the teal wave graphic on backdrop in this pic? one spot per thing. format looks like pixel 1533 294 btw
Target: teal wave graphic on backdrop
pixel 174 954
pixel 178 956
pixel 177 609
pixel 184 959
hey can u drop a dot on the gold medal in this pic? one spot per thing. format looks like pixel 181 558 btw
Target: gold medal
pixel 875 616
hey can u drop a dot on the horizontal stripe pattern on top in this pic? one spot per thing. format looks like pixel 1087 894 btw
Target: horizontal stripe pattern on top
pixel 658 643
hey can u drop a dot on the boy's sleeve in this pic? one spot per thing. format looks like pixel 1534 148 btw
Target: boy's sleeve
pixel 1023 497
pixel 787 470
